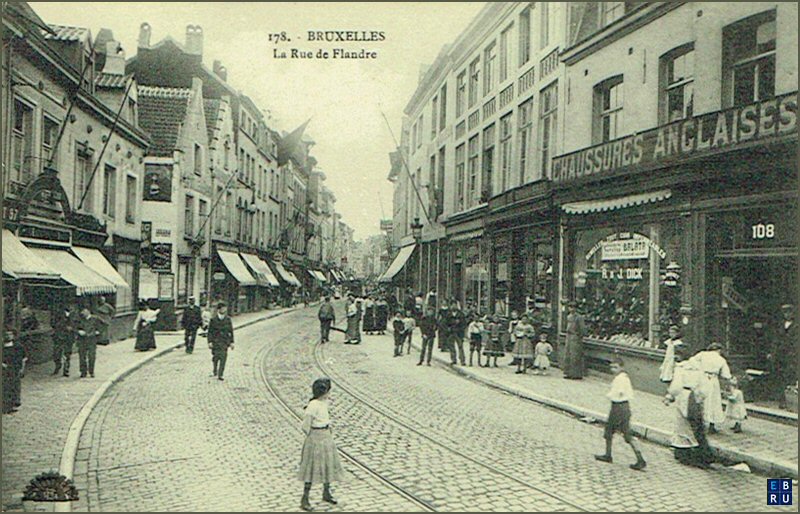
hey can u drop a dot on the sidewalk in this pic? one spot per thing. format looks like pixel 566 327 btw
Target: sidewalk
pixel 766 446
pixel 34 438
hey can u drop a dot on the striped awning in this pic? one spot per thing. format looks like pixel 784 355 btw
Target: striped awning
pixel 85 279
pixel 237 268
pixel 97 262
pixel 612 204
pixel 286 275
pixel 397 264
pixel 260 269
pixel 320 275
pixel 20 262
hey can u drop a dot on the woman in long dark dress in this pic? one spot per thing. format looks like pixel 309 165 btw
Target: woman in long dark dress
pixel 145 333
pixel 573 349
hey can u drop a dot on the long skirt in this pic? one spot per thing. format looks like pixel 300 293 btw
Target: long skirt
pixel 370 319
pixel 689 441
pixel 382 316
pixel 319 461
pixel 493 348
pixel 712 407
pixel 145 338
pixel 523 348
pixel 353 333
pixel 573 357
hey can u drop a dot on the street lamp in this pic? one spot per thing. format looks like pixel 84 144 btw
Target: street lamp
pixel 416 232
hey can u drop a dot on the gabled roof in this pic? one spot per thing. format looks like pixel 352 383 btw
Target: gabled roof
pixel 111 81
pixel 66 33
pixel 289 146
pixel 162 111
pixel 211 108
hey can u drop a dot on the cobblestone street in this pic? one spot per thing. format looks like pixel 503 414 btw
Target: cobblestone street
pixel 169 437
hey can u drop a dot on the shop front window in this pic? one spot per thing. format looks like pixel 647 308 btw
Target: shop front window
pixel 476 275
pixel 628 280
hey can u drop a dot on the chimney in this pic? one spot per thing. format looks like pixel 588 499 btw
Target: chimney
pixel 220 71
pixel 144 35
pixel 115 59
pixel 194 40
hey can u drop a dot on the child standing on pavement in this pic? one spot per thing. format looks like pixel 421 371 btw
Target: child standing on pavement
pixel 736 410
pixel 475 331
pixel 494 348
pixel 319 460
pixel 399 330
pixel 619 418
pixel 541 361
pixel 410 324
pixel 523 343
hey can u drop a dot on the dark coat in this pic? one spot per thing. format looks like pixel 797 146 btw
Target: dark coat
pixel 220 331
pixel 192 317
pixel 90 327
pixel 427 326
pixel 326 312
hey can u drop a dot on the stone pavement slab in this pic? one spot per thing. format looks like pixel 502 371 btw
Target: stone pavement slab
pixel 766 446
pixel 33 438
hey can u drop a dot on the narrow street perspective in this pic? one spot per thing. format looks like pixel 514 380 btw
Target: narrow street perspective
pixel 399 257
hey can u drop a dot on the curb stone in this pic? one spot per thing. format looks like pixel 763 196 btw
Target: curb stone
pixel 69 453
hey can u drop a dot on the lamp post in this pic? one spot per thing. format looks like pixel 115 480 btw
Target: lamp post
pixel 416 232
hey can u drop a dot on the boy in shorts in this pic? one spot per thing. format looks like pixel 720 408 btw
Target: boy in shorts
pixel 619 418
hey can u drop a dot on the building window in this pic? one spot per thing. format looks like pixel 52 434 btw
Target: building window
pixel 218 221
pixel 109 191
pixel 130 199
pixel 185 279
pixel 488 163
pixel 677 95
pixel 443 107
pixel 460 165
pixel 525 35
pixel 434 115
pixel 228 213
pixel 83 183
pixel 544 25
pixel 548 121
pixel 202 211
pixel 608 101
pixel 188 216
pixel 414 136
pixel 421 125
pixel 461 91
pixel 749 59
pixel 472 193
pixel 505 152
pixel 489 56
pixel 22 142
pixel 198 159
pixel 611 12
pixel 505 52
pixel 474 80
pixel 525 121
pixel 432 182
pixel 126 267
pixel 227 154
pixel 49 136
pixel 439 190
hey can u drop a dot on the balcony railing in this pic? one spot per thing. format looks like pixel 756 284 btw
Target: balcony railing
pixel 526 80
pixel 461 129
pixel 489 108
pixel 474 119
pixel 549 64
pixel 506 95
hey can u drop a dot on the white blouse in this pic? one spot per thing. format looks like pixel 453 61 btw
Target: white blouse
pixel 316 415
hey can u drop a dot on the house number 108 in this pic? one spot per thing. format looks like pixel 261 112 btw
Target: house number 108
pixel 762 231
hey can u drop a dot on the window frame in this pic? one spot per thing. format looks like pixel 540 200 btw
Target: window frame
pixel 666 87
pixel 506 125
pixel 505 53
pixel 26 136
pixel 524 36
pixel 489 56
pixel 734 60
pixel 460 158
pixel 461 92
pixel 525 133
pixel 473 168
pixel 109 191
pixel 602 90
pixel 188 215
pixel 474 82
pixel 130 199
pixel 549 117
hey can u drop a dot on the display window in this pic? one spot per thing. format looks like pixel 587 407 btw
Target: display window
pixel 476 274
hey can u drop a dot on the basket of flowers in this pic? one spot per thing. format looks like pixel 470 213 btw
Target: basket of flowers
pixel 47 491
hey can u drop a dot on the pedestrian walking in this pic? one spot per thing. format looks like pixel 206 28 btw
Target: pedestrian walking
pixel 475 331
pixel 427 325
pixel 410 323
pixel 687 395
pixel 319 460
pixel 64 320
pixel 398 332
pixel 220 339
pixel 494 347
pixel 144 327
pixel 327 318
pixel 87 331
pixel 14 362
pixel 668 364
pixel 352 321
pixel 191 321
pixel 381 314
pixel 541 360
pixel 573 351
pixel 455 335
pixel 714 366
pixel 619 417
pixel 370 316
pixel 104 313
pixel 736 410
pixel 523 345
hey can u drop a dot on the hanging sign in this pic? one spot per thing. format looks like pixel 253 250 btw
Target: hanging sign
pixel 626 246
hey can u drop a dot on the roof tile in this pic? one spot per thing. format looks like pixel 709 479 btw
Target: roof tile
pixel 161 112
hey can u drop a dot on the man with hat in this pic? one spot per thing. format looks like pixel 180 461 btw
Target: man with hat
pixel 191 321
pixel 220 339
pixel 573 347
pixel 714 366
pixel 783 357
pixel 327 317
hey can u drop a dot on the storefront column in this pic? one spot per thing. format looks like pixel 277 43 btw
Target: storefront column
pixel 698 280
pixel 655 267
pixel 561 278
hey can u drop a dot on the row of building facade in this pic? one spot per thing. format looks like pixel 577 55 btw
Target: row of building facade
pixel 638 157
pixel 151 178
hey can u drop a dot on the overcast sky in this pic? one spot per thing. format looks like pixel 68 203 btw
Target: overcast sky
pixel 344 97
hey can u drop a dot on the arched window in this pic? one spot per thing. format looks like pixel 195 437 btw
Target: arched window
pixel 608 103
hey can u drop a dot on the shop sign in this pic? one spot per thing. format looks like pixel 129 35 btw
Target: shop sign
pixel 162 257
pixel 625 246
pixel 166 282
pixel 622 274
pixel 157 182
pixel 44 233
pixel 219 275
pixel 699 135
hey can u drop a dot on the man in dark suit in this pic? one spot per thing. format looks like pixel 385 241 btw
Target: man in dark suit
pixel 87 331
pixel 191 321
pixel 63 337
pixel 220 339
pixel 327 317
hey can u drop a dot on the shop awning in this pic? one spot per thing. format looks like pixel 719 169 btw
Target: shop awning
pixel 612 204
pixel 397 264
pixel 321 276
pixel 20 262
pixel 100 265
pixel 260 269
pixel 86 280
pixel 336 276
pixel 237 268
pixel 286 275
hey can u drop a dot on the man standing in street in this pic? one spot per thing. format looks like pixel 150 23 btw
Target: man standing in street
pixel 220 338
pixel 427 326
pixel 103 314
pixel 327 317
pixel 14 359
pixel 191 321
pixel 87 331
pixel 455 335
pixel 63 337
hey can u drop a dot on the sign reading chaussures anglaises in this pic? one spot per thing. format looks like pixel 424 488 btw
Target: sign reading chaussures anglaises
pixel 701 135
